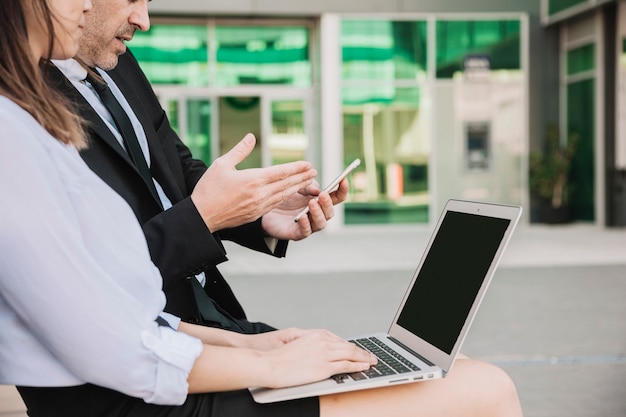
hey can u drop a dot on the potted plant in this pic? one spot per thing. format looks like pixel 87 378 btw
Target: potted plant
pixel 549 171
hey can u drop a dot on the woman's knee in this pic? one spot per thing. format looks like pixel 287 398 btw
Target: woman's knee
pixel 492 386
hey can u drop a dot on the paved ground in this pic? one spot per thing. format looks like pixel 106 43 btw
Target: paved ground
pixel 553 316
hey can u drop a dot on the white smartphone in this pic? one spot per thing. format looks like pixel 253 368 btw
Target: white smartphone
pixel 334 184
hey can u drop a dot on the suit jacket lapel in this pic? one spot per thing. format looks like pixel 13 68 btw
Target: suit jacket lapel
pixel 88 114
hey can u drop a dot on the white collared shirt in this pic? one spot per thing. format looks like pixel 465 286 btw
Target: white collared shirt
pixel 76 73
pixel 78 292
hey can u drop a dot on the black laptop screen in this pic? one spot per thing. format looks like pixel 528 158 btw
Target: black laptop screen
pixel 451 276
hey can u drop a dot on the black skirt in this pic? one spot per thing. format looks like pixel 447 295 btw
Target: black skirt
pixel 93 401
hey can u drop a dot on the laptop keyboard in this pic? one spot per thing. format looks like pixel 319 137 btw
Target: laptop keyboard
pixel 389 361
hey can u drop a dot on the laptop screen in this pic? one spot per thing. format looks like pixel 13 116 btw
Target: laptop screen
pixel 451 276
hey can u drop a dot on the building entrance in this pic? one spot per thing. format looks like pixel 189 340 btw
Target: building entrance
pixel 211 124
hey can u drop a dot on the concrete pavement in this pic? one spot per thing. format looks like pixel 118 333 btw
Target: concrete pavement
pixel 552 318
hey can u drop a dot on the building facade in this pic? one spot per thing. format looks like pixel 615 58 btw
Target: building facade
pixel 591 38
pixel 439 99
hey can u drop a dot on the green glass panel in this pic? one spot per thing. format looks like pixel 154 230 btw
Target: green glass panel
pixel 288 141
pixel 199 129
pixel 498 40
pixel 173 54
pixel 368 94
pixel 238 116
pixel 263 55
pixel 383 50
pixel 581 59
pixel 172 114
pixel 581 122
pixel 556 6
pixel 391 184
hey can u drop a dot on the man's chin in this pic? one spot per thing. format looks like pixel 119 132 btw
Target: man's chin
pixel 108 63
pixel 103 61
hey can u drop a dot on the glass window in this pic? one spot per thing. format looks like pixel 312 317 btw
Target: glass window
pixel 381 49
pixel 262 55
pixel 385 121
pixel 581 122
pixel 237 116
pixel 199 129
pixel 288 141
pixel 173 54
pixel 497 40
pixel 179 54
pixel 581 59
pixel 392 140
pixel 172 114
pixel 556 6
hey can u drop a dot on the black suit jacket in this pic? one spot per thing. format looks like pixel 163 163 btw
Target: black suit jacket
pixel 180 244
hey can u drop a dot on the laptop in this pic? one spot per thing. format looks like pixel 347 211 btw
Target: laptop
pixel 436 311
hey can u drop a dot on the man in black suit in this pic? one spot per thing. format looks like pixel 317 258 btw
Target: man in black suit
pixel 190 208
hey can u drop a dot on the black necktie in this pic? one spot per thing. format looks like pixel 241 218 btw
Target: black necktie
pixel 125 129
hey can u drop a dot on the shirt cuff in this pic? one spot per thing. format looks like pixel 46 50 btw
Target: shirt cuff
pixel 171 319
pixel 177 352
pixel 271 243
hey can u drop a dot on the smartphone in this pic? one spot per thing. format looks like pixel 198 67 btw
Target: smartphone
pixel 333 185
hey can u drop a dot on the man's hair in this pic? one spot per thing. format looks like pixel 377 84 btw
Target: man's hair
pixel 23 81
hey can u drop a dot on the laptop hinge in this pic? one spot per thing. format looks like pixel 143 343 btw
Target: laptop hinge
pixel 423 359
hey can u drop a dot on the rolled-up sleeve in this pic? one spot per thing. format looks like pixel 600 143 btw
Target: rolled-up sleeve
pixel 176 353
pixel 78 293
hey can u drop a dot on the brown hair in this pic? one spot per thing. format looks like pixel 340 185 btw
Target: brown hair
pixel 23 81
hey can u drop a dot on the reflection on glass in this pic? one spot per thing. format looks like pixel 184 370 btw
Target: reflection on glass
pixel 239 116
pixel 499 40
pixel 581 59
pixel 383 50
pixel 262 55
pixel 172 114
pixel 385 119
pixel 289 141
pixel 392 140
pixel 179 54
pixel 198 129
pixel 581 122
pixel 173 54
pixel 555 6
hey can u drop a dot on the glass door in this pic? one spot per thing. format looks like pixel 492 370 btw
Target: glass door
pixel 238 116
pixel 288 136
pixel 211 126
pixel 191 117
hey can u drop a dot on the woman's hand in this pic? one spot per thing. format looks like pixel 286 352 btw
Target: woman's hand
pixel 313 356
pixel 277 359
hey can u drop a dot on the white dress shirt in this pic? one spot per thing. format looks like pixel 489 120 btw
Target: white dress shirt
pixel 78 293
pixel 76 73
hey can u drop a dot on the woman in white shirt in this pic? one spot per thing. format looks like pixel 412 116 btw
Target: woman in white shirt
pixel 81 307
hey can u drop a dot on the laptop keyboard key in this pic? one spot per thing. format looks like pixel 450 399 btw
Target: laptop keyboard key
pixel 389 361
pixel 357 376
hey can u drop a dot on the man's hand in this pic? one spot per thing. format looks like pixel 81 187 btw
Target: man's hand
pixel 227 197
pixel 279 222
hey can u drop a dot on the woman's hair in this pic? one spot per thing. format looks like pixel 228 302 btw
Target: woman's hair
pixel 23 81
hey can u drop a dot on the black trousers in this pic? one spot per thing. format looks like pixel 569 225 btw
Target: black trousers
pixel 93 401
